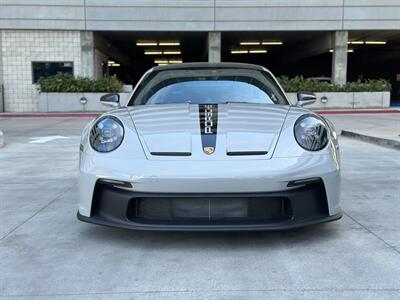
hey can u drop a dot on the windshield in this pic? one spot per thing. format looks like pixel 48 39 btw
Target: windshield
pixel 208 86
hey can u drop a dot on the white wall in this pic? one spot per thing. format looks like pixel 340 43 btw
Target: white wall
pixel 19 49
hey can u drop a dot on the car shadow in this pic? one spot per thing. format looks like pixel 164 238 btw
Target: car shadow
pixel 214 240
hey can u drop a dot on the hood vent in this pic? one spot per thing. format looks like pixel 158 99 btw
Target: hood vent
pixel 245 153
pixel 171 153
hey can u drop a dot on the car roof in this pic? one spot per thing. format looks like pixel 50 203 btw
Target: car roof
pixel 205 65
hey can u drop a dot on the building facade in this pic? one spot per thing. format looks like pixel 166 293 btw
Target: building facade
pixel 93 38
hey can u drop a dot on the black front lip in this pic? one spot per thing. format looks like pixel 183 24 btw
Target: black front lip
pixel 241 227
pixel 307 202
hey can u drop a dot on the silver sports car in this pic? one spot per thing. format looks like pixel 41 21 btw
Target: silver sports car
pixel 209 147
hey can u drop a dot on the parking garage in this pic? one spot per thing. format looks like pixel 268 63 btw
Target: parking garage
pixel 368 54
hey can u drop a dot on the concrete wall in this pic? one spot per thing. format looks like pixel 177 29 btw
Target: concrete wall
pixel 99 59
pixel 343 100
pixel 19 49
pixel 71 102
pixel 200 15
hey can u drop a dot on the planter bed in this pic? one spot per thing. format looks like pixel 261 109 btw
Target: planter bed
pixel 71 102
pixel 348 100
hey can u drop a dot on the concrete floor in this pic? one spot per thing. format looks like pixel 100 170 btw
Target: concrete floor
pixel 45 253
pixel 385 126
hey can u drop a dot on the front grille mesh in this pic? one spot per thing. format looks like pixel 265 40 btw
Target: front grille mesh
pixel 192 210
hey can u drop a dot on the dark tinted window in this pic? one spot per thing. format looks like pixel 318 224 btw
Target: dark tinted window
pixel 45 69
pixel 202 86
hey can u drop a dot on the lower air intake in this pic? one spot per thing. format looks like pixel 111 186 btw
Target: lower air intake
pixel 208 210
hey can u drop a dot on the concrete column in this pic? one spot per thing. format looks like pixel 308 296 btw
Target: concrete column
pixel 1 78
pixel 87 54
pixel 339 57
pixel 214 47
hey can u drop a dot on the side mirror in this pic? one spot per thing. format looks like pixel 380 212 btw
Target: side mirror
pixel 110 100
pixel 305 98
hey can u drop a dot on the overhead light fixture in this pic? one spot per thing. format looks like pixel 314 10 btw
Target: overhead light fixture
pixel 167 61
pixel 161 61
pixel 249 43
pixel 239 51
pixel 146 43
pixel 172 52
pixel 175 61
pixel 355 42
pixel 257 51
pixel 112 63
pixel 272 43
pixel 375 42
pixel 348 50
pixel 153 52
pixel 175 43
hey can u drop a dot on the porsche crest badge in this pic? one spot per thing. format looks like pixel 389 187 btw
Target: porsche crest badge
pixel 208 150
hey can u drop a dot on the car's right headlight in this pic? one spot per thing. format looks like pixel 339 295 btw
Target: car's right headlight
pixel 311 132
pixel 106 134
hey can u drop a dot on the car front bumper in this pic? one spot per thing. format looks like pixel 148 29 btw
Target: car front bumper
pixel 304 203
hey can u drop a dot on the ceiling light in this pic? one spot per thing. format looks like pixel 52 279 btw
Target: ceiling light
pixel 356 42
pixel 169 43
pixel 172 52
pixel 348 50
pixel 152 52
pixel 272 43
pixel 375 42
pixel 112 63
pixel 160 61
pixel 239 52
pixel 163 64
pixel 177 61
pixel 143 43
pixel 250 43
pixel 258 51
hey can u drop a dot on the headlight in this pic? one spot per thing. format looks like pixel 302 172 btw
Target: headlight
pixel 106 134
pixel 311 133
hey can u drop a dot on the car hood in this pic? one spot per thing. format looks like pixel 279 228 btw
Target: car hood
pixel 214 132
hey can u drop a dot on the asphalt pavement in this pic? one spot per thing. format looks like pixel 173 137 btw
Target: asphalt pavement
pixel 46 253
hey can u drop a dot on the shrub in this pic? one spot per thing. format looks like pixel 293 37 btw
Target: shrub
pixel 66 83
pixel 298 83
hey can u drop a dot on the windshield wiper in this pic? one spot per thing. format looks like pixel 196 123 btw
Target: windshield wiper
pixel 227 102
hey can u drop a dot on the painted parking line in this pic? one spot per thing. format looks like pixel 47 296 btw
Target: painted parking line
pixel 46 139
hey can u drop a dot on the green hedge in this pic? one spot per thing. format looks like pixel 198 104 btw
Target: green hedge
pixel 298 83
pixel 66 83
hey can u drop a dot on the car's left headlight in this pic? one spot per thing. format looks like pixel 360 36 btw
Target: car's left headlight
pixel 311 133
pixel 106 134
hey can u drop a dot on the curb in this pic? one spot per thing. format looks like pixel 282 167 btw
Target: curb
pixel 1 139
pixel 50 115
pixel 350 112
pixel 372 140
